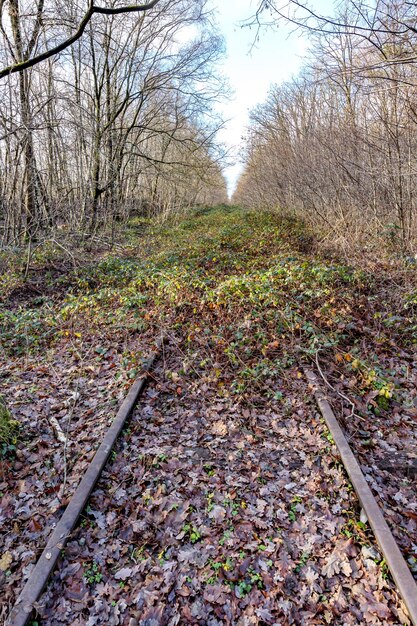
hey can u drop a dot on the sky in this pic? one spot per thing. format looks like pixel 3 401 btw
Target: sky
pixel 251 67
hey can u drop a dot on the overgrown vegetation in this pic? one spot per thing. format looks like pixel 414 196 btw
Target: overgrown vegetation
pixel 8 429
pixel 244 300
pixel 236 286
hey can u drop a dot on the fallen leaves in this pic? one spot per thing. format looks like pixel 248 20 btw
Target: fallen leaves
pixel 31 498
pixel 123 573
pixel 219 428
pixel 338 561
pixel 203 530
pixel 5 561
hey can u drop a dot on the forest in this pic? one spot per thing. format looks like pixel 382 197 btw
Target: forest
pixel 119 123
pixel 208 395
pixel 336 145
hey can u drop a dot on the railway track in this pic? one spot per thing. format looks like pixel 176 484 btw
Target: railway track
pixel 210 513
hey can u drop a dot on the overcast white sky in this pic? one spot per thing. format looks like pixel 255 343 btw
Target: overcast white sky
pixel 252 69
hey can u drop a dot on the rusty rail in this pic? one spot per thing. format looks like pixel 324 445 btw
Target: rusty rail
pixel 400 572
pixel 39 576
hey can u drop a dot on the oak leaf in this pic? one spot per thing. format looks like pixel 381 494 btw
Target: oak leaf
pixel 5 561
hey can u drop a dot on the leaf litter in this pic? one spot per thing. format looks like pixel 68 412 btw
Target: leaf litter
pixel 244 524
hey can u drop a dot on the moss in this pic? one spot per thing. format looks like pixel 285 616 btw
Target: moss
pixel 9 427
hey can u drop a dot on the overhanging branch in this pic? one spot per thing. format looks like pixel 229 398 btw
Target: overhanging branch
pixel 23 65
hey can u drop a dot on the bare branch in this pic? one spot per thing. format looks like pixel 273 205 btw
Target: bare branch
pixel 25 64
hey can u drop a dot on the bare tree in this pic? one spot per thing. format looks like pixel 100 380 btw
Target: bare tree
pixel 109 124
pixel 337 145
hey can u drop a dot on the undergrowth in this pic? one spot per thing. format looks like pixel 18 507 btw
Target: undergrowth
pixel 242 292
pixel 9 429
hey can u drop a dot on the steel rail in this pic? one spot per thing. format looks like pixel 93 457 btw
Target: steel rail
pixel 39 576
pixel 397 565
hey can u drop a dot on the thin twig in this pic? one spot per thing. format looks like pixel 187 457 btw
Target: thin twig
pixel 29 254
pixel 67 428
pixel 339 393
pixel 74 262
pixel 172 338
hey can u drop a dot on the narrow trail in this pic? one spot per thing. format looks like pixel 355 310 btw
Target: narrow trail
pixel 214 514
